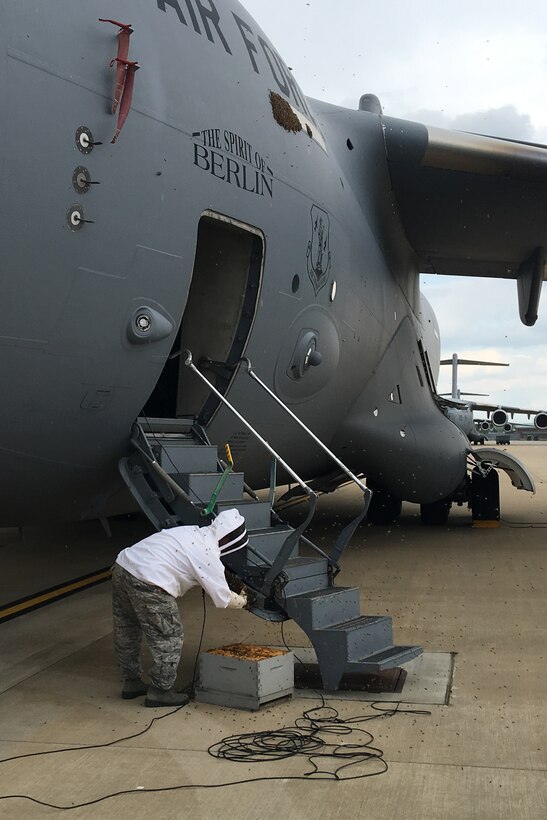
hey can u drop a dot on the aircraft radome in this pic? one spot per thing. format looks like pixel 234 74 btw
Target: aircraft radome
pixel 221 211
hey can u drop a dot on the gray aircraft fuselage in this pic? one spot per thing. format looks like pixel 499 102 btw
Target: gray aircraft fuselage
pixel 213 227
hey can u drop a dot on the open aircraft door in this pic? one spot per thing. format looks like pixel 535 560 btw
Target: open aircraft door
pixel 217 319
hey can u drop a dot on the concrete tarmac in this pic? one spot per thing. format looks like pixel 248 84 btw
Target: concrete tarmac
pixel 478 593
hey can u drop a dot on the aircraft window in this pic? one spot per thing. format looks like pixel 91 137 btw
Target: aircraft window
pixel 402 433
pixel 419 376
pixel 333 292
pixel 295 283
pixel 349 144
pixel 375 412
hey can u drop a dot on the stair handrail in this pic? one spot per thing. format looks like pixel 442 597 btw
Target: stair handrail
pixel 188 361
pixel 345 536
pixel 284 553
pixel 246 362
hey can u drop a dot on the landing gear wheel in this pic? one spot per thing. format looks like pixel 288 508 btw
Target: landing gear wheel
pixel 436 513
pixel 384 508
pixel 485 498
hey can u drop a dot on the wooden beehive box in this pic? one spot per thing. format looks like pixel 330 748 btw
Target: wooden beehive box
pixel 244 676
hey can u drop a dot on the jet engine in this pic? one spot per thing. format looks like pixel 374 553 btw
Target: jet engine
pixel 540 420
pixel 500 417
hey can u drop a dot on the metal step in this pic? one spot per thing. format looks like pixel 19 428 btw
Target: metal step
pixel 388 658
pixel 363 636
pixel 257 514
pixel 200 486
pixel 268 542
pixel 158 427
pixel 305 575
pixel 185 456
pixel 325 607
pixel 344 640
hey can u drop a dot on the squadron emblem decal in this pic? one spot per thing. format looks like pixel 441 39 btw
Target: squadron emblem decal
pixel 318 252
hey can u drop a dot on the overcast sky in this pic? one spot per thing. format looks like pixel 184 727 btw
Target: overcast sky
pixel 479 66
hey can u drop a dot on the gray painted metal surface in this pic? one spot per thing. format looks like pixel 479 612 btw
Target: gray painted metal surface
pixel 186 456
pixel 200 486
pixel 98 278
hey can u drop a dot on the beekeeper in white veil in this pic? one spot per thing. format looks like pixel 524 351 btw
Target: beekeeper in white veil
pixel 148 578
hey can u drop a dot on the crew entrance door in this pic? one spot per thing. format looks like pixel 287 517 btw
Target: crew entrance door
pixel 217 320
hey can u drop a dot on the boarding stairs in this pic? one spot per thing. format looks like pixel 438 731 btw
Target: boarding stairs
pixel 178 478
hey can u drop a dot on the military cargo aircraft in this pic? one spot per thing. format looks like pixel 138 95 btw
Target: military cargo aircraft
pixel 167 187
pixel 460 410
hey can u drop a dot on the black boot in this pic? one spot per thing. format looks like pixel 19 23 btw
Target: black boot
pixel 163 697
pixel 133 687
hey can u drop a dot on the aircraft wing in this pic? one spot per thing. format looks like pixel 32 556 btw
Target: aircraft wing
pixel 491 408
pixel 460 404
pixel 472 205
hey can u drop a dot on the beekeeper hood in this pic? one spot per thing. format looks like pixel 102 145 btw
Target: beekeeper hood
pixel 229 530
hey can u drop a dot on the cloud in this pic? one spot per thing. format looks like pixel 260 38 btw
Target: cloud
pixel 505 121
pixel 484 309
pixel 478 319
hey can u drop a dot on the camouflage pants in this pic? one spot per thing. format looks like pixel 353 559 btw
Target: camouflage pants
pixel 138 608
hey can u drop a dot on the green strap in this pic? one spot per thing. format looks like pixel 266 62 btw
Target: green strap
pixel 216 492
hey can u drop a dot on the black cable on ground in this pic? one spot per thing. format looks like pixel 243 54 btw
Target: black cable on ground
pixel 192 688
pixel 110 743
pixel 302 738
pixel 92 746
pixel 305 738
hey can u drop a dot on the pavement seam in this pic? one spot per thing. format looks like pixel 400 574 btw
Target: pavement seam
pixel 170 749
pixel 55 663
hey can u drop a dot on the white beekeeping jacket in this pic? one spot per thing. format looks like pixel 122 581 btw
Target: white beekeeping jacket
pixel 180 558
